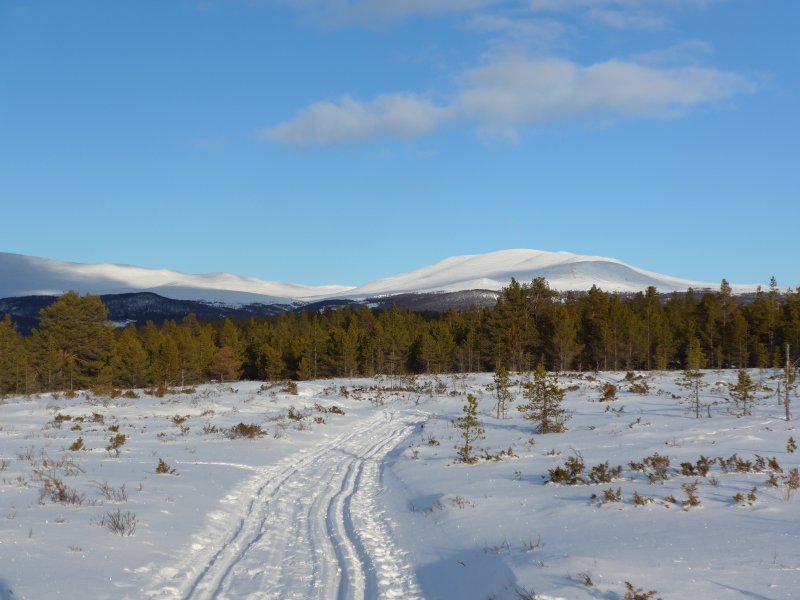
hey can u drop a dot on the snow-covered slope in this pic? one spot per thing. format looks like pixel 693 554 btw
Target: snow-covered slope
pixel 564 272
pixel 26 276
pixel 29 276
pixel 369 500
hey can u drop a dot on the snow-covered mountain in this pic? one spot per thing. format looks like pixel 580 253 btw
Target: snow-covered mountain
pixel 27 276
pixel 564 271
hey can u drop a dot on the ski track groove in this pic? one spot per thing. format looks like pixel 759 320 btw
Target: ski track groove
pixel 312 529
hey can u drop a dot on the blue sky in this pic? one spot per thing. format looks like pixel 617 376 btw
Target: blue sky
pixel 340 141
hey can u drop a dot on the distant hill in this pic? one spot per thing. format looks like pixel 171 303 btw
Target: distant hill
pixel 29 276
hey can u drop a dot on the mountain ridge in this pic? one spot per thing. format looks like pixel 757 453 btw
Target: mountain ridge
pixel 22 275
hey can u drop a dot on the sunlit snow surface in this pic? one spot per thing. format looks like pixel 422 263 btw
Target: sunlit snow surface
pixel 371 504
pixel 26 276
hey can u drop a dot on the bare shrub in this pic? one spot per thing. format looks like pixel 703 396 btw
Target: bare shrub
pixel 59 492
pixel 118 522
pixel 742 499
pixel 610 495
pixel 112 494
pixel 290 388
pixel 26 454
pixel 608 392
pixel 692 500
pixel 333 409
pixel 116 442
pixel 524 593
pixel 603 474
pixel 791 481
pixel 634 593
pixel 571 473
pixel 501 548
pixel 655 467
pixel 533 545
pixel 245 430
pixel 294 415
pixel 162 468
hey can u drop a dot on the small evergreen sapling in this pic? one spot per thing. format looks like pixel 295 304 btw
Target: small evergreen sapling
pixel 743 394
pixel 470 431
pixel 502 389
pixel 692 378
pixel 544 398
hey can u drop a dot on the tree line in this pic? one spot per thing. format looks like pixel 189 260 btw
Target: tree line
pixel 75 347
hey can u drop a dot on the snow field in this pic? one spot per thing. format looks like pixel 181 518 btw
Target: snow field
pixel 371 504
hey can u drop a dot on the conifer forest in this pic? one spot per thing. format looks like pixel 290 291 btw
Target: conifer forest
pixel 76 347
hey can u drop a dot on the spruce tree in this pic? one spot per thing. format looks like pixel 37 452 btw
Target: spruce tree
pixel 544 402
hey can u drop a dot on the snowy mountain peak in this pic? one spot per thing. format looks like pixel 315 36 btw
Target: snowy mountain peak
pixel 29 276
pixel 26 276
pixel 564 271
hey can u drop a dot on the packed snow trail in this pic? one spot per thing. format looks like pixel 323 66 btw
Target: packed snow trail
pixel 311 531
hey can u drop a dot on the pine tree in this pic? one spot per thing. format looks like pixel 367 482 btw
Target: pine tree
pixel 470 431
pixel 12 363
pixel 502 389
pixel 129 362
pixel 270 362
pixel 80 330
pixel 692 378
pixel 743 394
pixel 225 364
pixel 565 337
pixel 789 379
pixel 544 402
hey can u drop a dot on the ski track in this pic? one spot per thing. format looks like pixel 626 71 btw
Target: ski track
pixel 312 529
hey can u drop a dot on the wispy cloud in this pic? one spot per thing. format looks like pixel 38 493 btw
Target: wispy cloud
pixel 621 19
pixel 348 120
pixel 508 95
pixel 688 52
pixel 518 32
pixel 520 91
pixel 565 5
pixel 365 12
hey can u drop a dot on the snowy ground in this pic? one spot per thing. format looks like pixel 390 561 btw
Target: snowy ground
pixel 370 503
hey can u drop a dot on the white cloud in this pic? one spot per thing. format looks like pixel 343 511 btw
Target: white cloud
pixel 522 27
pixel 688 52
pixel 348 120
pixel 620 19
pixel 519 92
pixel 565 5
pixel 382 11
pixel 637 14
pixel 507 95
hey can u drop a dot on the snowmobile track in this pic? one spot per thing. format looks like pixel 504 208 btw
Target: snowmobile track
pixel 312 528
